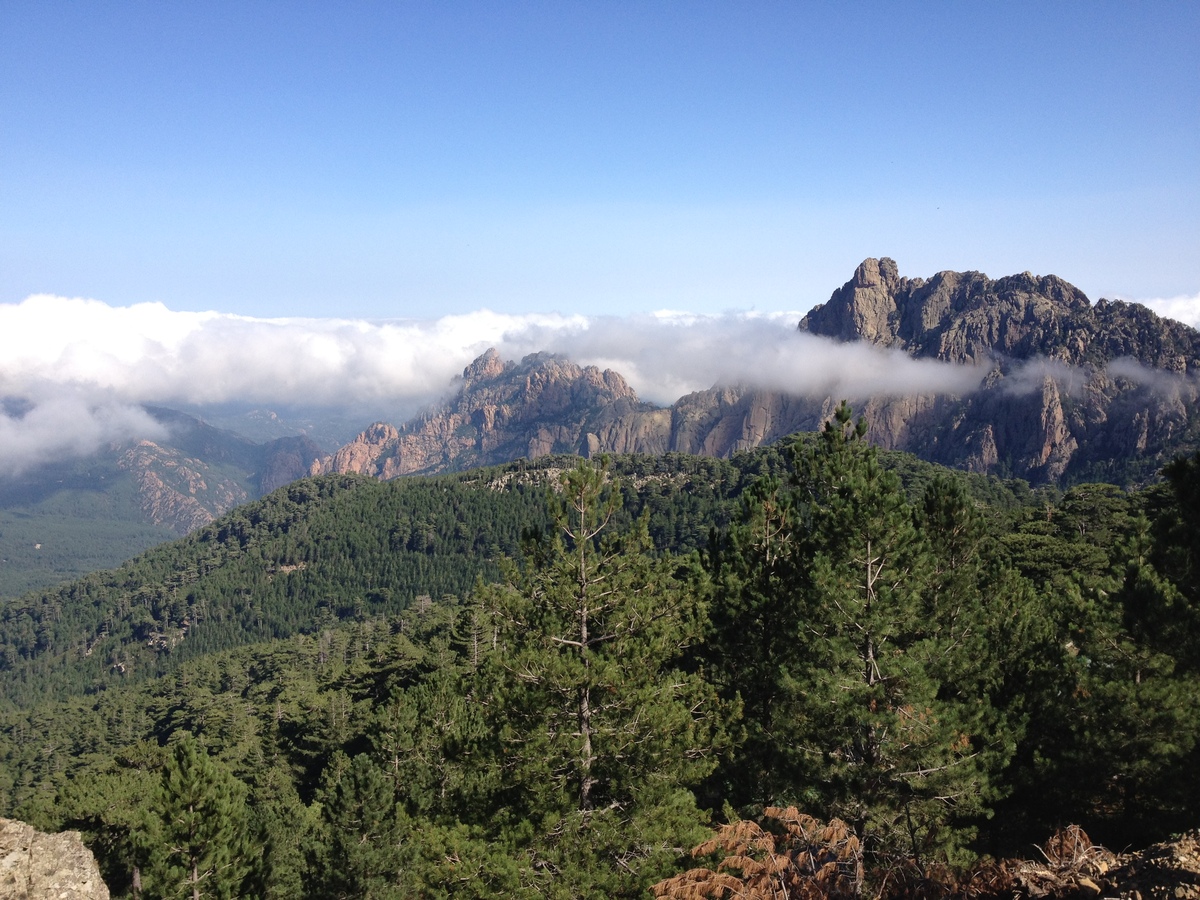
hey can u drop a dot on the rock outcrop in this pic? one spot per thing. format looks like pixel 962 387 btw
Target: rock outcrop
pixel 1075 390
pixel 178 491
pixel 37 866
pixel 965 317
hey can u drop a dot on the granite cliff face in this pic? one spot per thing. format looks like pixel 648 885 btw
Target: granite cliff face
pixel 1072 391
pixel 505 410
pixel 965 317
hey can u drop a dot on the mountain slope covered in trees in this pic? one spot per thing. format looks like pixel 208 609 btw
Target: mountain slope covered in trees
pixel 327 549
pixel 947 664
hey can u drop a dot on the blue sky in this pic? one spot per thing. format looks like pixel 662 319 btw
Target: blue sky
pixel 396 159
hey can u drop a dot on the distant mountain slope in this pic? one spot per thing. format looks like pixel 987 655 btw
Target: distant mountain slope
pixel 1070 391
pixel 61 520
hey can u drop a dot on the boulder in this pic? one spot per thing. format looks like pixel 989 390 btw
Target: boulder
pixel 38 866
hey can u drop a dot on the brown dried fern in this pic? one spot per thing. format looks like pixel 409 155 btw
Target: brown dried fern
pixel 794 856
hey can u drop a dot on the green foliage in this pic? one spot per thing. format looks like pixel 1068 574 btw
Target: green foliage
pixel 599 728
pixel 197 840
pixel 331 549
pixel 384 703
pixel 892 745
pixel 361 858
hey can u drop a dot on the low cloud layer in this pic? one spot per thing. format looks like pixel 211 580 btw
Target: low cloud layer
pixel 77 371
pixel 147 353
pixel 667 355
pixel 64 425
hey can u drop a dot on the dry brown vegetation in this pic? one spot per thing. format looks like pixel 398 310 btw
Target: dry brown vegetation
pixel 792 856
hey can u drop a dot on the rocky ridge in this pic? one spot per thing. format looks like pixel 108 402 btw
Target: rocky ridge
pixel 965 317
pixel 504 410
pixel 1071 391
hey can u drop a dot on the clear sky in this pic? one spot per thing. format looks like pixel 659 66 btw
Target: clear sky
pixel 414 159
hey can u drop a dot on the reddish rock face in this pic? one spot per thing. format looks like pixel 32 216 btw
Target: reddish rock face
pixel 503 411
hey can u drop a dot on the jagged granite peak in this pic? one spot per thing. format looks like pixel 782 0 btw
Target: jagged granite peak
pixel 966 317
pixel 1072 391
pixel 503 410
pixel 1073 387
pixel 485 368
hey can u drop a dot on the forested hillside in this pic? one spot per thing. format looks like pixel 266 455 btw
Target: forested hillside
pixel 324 550
pixel 476 686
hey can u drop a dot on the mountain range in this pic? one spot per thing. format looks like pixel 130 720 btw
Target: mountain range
pixel 1068 391
pixel 61 520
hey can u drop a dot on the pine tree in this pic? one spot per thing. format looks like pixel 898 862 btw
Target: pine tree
pixel 864 704
pixel 753 650
pixel 601 732
pixel 365 831
pixel 200 845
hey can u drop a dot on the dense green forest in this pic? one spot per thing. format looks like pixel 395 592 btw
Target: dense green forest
pixel 556 679
pixel 57 530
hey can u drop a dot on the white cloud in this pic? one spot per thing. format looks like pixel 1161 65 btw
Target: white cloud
pixel 666 355
pixel 146 353
pixel 85 365
pixel 67 425
pixel 1183 308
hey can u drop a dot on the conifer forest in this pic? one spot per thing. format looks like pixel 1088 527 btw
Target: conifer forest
pixel 557 678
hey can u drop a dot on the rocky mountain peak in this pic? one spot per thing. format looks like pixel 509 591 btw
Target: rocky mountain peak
pixel 1050 408
pixel 877 273
pixel 505 410
pixel 864 308
pixel 486 367
pixel 966 317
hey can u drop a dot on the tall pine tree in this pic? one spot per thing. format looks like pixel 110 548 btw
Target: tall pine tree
pixel 200 845
pixel 864 704
pixel 601 731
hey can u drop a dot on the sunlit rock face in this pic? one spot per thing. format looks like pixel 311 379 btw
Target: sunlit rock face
pixel 505 410
pixel 37 866
pixel 1067 390
pixel 1074 390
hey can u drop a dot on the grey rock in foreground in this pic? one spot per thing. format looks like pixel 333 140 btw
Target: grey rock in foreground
pixel 37 866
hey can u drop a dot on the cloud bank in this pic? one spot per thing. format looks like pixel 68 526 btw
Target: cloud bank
pixel 67 425
pixel 149 354
pixel 75 372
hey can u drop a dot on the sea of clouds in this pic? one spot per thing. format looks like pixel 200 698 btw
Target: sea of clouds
pixel 75 373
